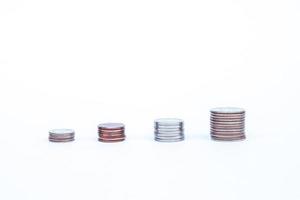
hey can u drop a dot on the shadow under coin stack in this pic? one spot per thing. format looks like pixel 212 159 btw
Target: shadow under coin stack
pixel 111 132
pixel 61 135
pixel 168 130
pixel 227 124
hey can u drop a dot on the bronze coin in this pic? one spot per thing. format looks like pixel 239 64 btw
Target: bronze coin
pixel 111 140
pixel 111 131
pixel 111 136
pixel 111 126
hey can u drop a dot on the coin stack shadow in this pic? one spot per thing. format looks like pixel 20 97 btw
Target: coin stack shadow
pixel 168 130
pixel 227 124
pixel 61 135
pixel 111 132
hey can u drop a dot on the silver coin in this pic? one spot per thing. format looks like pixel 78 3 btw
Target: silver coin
pixel 227 123
pixel 168 131
pixel 64 140
pixel 110 126
pixel 61 135
pixel 169 140
pixel 169 136
pixel 227 120
pixel 228 136
pixel 228 114
pixel 169 127
pixel 227 110
pixel 226 130
pixel 61 138
pixel 242 137
pixel 61 131
pixel 168 121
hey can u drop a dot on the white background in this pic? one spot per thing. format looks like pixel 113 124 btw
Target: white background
pixel 76 64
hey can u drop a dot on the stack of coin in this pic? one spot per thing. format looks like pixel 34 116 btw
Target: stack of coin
pixel 168 130
pixel 61 135
pixel 111 132
pixel 227 124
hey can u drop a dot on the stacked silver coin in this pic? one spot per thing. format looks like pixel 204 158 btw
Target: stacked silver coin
pixel 227 124
pixel 168 130
pixel 61 135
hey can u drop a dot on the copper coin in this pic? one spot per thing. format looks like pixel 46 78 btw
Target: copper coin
pixel 111 136
pixel 111 126
pixel 111 140
pixel 112 131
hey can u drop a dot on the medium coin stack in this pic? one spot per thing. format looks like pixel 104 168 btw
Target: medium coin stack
pixel 227 124
pixel 168 130
pixel 61 135
pixel 111 132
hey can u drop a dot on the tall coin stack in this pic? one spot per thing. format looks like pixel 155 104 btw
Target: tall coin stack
pixel 227 124
pixel 168 130
pixel 111 132
pixel 61 135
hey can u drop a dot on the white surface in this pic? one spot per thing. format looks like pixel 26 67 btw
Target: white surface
pixel 76 64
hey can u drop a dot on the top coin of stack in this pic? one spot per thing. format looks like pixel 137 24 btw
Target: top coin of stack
pixel 168 130
pixel 111 132
pixel 227 124
pixel 61 135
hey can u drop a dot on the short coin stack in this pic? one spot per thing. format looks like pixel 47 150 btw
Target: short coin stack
pixel 168 130
pixel 61 135
pixel 111 132
pixel 227 124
